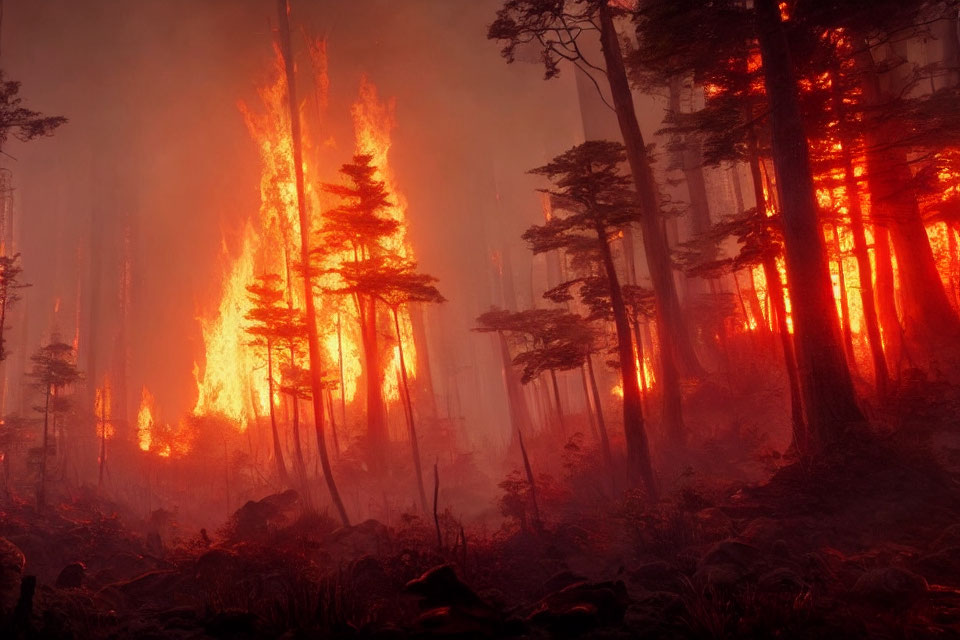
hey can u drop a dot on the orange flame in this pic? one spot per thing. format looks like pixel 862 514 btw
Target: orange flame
pixel 145 420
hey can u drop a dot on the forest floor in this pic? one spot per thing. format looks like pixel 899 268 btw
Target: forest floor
pixel 868 546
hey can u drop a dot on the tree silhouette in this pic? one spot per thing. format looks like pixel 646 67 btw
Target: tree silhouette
pixel 10 285
pixel 559 29
pixel 267 319
pixel 313 336
pixel 54 367
pixel 358 228
pixel 593 197
pixel 18 121
pixel 396 283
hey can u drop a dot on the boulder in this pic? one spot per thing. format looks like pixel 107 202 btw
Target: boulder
pixel 12 562
pixel 890 586
pixel 256 519
pixel 451 609
pixel 731 552
pixel 581 607
pixel 71 576
pixel 714 523
pixel 369 538
pixel 657 572
pixel 781 580
pixel 560 580
pixel 943 566
pixel 441 587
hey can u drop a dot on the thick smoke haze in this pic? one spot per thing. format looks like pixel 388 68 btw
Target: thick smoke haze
pixel 157 145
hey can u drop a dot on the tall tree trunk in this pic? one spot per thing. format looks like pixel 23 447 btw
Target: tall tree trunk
pixel 103 437
pixel 891 330
pixel 295 423
pixel 517 401
pixel 561 421
pixel 860 250
pixel 316 365
pixel 333 424
pixel 676 345
pixel 42 490
pixel 343 389
pixel 591 418
pixel 373 374
pixel 845 325
pixel 601 423
pixel 928 319
pixel 277 448
pixel 778 304
pixel 414 443
pixel 639 468
pixel 641 364
pixel 829 398
pixel 537 522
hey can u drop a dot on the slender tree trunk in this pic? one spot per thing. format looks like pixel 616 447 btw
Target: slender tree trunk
pixel 845 324
pixel 928 319
pixel 414 443
pixel 343 388
pixel 277 448
pixel 333 424
pixel 829 398
pixel 316 366
pixel 373 373
pixel 676 345
pixel 295 423
pixel 867 295
pixel 641 364
pixel 517 401
pixel 778 304
pixel 587 404
pixel 639 467
pixel 954 265
pixel 42 491
pixel 601 424
pixel 103 438
pixel 537 522
pixel 436 500
pixel 860 251
pixel 556 396
pixel 891 330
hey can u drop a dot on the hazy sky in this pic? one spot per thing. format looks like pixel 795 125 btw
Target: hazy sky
pixel 155 137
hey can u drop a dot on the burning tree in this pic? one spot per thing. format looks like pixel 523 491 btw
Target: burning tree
pixel 396 283
pixel 559 30
pixel 359 229
pixel 269 319
pixel 316 366
pixel 10 285
pixel 54 367
pixel 596 199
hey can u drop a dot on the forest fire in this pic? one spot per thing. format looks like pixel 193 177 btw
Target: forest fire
pixel 314 325
pixel 145 420
pixel 232 382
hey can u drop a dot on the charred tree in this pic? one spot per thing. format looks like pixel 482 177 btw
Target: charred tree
pixel 829 399
pixel 316 364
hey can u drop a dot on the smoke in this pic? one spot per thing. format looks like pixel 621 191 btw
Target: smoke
pixel 156 170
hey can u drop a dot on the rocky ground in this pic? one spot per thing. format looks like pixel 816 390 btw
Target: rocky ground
pixel 864 549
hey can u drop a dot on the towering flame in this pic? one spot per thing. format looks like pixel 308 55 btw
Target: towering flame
pixel 232 379
pixel 373 125
pixel 102 410
pixel 145 420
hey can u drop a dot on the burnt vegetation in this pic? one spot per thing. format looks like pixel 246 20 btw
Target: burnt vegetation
pixel 727 394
